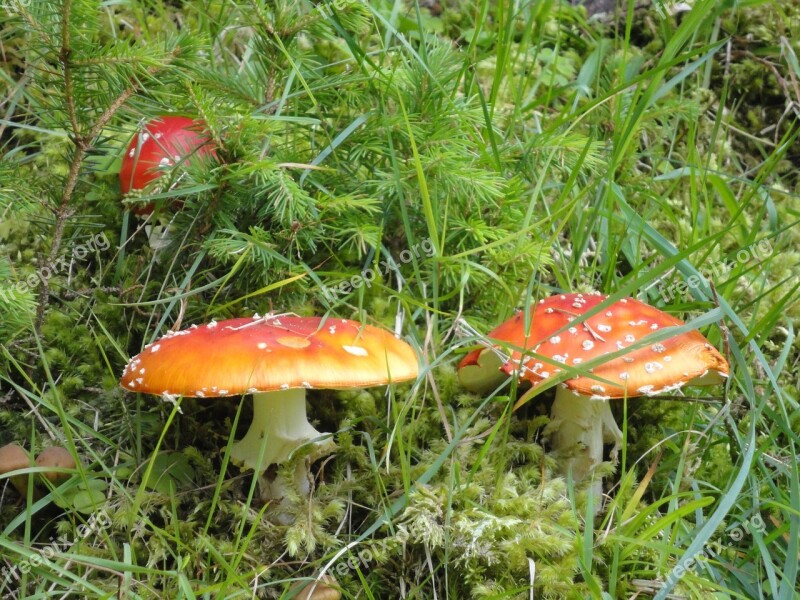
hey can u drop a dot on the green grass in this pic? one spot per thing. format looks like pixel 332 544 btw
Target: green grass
pixel 536 150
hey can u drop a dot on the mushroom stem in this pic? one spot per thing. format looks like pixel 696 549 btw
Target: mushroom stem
pixel 280 417
pixel 582 426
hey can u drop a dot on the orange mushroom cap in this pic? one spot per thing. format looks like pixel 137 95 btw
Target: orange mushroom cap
pixel 658 367
pixel 261 354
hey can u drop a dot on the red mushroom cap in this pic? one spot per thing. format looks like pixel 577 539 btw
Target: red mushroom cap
pixel 163 142
pixel 658 367
pixel 261 354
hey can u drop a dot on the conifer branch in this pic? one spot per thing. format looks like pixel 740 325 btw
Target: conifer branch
pixel 83 143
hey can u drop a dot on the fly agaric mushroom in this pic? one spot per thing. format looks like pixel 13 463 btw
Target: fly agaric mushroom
pixel 276 358
pixel 581 410
pixel 12 458
pixel 162 143
pixel 55 457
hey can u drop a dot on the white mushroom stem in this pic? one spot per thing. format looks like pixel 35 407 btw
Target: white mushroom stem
pixel 158 236
pixel 280 417
pixel 582 426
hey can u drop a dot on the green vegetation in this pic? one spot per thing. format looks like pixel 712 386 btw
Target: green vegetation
pixel 523 149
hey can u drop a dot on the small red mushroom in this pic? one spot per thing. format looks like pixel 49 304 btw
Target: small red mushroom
pixel 163 143
pixel 559 336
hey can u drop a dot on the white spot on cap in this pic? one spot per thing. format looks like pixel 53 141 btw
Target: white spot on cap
pixel 577 361
pixel 667 359
pixel 587 344
pixel 332 329
pixel 627 359
pixel 573 330
pixel 200 394
pixel 212 324
pixel 576 305
pixel 598 388
pixel 658 348
pixel 141 371
pixel 630 339
pixel 165 162
pixel 355 350
pixel 548 310
pixel 624 376
pixel 132 153
pixel 284 386
pixel 645 389
pixel 307 385
pixel 654 326
pixel 145 136
pixel 608 314
pixel 262 345
pixel 223 392
pixel 604 328
pixel 652 367
pixel 559 358
pixel 155 347
pixel 555 339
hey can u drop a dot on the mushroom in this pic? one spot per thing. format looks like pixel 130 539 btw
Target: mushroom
pixel 324 588
pixel 55 457
pixel 162 143
pixel 276 358
pixel 559 336
pixel 12 458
